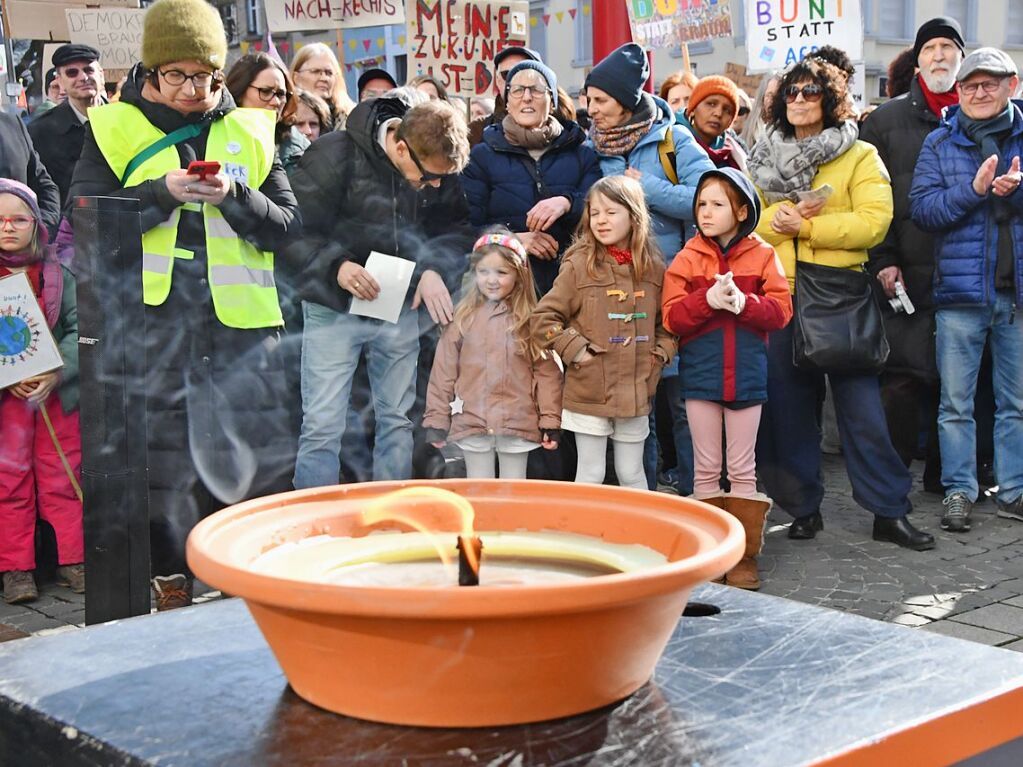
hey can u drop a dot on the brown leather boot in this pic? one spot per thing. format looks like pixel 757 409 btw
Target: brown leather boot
pixel 719 501
pixel 751 512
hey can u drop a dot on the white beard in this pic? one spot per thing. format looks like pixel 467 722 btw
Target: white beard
pixel 940 82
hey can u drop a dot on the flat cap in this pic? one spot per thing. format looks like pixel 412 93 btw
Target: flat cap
pixel 991 60
pixel 65 54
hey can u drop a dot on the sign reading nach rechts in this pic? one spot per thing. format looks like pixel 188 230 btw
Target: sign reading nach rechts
pixel 309 15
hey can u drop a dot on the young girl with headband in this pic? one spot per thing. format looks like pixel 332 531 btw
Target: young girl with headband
pixel 603 318
pixel 491 388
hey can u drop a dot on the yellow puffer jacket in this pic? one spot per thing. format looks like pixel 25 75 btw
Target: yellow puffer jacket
pixel 855 217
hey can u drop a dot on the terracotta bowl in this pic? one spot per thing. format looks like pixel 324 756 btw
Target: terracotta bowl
pixel 470 657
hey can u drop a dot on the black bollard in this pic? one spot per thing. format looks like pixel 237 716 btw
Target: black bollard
pixel 111 331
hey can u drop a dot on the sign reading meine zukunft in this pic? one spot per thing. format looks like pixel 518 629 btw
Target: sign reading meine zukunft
pixel 781 32
pixel 456 40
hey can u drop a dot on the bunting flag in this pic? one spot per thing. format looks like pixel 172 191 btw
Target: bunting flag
pixel 353 44
pixel 533 21
pixel 348 67
pixel 298 46
pixel 546 19
pixel 244 45
pixel 381 42
pixel 366 43
pixel 258 45
pixel 401 41
pixel 586 10
pixel 272 49
pixel 285 46
pixel 571 12
pixel 560 15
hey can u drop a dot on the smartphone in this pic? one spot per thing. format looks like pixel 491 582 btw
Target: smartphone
pixel 203 168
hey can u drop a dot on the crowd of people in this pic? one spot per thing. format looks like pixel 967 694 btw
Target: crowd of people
pixel 414 286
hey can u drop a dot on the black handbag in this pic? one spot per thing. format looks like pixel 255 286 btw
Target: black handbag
pixel 837 323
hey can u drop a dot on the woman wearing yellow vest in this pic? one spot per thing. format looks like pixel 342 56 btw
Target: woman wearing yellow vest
pixel 214 395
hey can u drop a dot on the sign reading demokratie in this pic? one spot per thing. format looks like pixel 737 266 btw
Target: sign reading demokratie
pixel 781 32
pixel 666 23
pixel 115 32
pixel 456 40
pixel 308 15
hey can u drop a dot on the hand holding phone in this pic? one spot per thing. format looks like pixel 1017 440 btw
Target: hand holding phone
pixel 203 168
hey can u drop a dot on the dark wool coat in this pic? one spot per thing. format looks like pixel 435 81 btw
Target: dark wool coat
pixel 355 201
pixel 942 200
pixel 216 397
pixel 501 189
pixel 20 161
pixel 898 129
pixel 58 136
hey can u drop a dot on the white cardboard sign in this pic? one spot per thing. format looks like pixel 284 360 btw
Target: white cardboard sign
pixel 308 15
pixel 27 347
pixel 115 32
pixel 782 32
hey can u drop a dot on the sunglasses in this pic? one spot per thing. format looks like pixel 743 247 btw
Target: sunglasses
pixel 426 175
pixel 811 92
pixel 73 72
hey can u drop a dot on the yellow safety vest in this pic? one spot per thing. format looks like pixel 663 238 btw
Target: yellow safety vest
pixel 241 277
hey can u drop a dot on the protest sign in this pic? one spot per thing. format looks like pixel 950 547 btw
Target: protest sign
pixel 115 32
pixel 308 15
pixel 737 74
pixel 45 19
pixel 666 23
pixel 456 40
pixel 27 347
pixel 781 32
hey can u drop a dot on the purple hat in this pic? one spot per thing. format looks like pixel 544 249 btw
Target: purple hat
pixel 27 196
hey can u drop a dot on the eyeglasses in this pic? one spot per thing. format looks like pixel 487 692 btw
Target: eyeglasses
pixel 811 92
pixel 425 175
pixel 200 80
pixel 518 91
pixel 21 223
pixel 73 72
pixel 266 95
pixel 318 72
pixel 988 86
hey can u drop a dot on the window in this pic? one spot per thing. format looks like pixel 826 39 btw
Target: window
pixel 867 11
pixel 583 34
pixel 229 15
pixel 895 19
pixel 1014 24
pixel 965 12
pixel 537 30
pixel 253 17
pixel 739 21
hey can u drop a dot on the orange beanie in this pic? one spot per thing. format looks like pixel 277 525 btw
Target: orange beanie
pixel 711 86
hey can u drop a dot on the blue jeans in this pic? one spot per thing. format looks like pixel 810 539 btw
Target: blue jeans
pixel 962 334
pixel 331 345
pixel 789 440
pixel 681 438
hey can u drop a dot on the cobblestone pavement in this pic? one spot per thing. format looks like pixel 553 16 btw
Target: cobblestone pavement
pixel 970 586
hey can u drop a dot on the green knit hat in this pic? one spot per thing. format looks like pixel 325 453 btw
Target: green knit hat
pixel 183 30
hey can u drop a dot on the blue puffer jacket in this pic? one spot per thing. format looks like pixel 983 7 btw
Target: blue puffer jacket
pixel 501 190
pixel 942 200
pixel 670 205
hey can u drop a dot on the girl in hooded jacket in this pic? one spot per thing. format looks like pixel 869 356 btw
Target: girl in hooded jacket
pixel 603 318
pixel 33 470
pixel 724 292
pixel 492 390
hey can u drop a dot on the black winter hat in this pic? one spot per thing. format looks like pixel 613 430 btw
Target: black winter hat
pixel 69 52
pixel 939 26
pixel 622 75
pixel 374 74
pixel 515 50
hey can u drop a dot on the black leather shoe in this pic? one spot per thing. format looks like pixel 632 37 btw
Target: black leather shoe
pixel 805 528
pixel 899 531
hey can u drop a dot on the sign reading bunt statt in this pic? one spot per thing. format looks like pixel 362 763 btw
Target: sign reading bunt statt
pixel 456 40
pixel 308 15
pixel 781 32
pixel 666 23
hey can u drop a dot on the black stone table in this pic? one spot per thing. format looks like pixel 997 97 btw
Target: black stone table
pixel 765 682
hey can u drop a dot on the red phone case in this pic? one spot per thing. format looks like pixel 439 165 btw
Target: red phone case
pixel 203 168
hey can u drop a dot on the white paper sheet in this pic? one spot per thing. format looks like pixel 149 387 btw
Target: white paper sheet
pixel 27 347
pixel 393 274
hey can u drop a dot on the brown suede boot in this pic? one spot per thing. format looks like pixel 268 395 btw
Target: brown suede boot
pixel 719 501
pixel 751 512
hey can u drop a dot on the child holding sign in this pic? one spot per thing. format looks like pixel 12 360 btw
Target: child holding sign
pixel 40 454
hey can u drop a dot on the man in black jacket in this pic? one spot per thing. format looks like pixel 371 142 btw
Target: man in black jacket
pixel 19 161
pixel 385 184
pixel 909 385
pixel 58 134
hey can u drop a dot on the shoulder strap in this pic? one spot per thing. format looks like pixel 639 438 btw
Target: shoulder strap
pixel 183 133
pixel 666 151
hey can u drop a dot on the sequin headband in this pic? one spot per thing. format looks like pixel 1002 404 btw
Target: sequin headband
pixel 505 241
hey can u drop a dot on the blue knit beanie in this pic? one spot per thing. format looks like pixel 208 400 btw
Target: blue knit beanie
pixel 622 75
pixel 536 66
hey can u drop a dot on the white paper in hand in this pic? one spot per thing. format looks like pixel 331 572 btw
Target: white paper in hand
pixel 27 348
pixel 393 275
